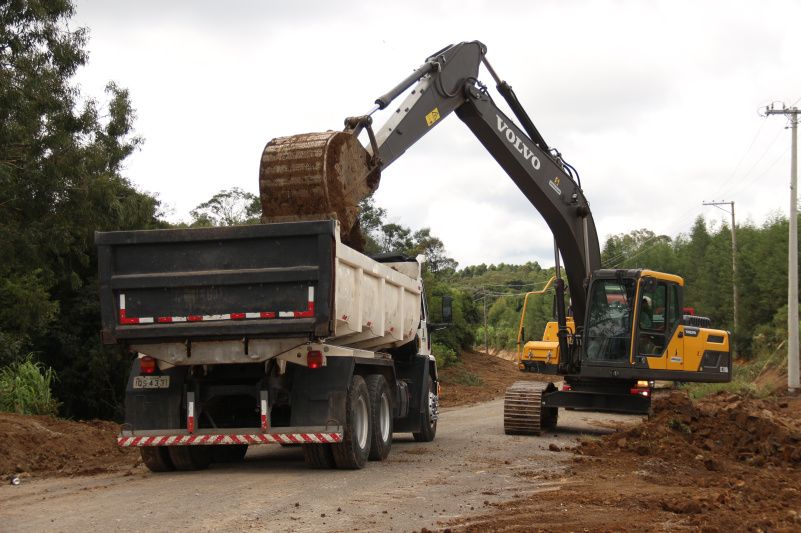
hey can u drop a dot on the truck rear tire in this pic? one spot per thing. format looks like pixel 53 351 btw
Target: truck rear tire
pixel 428 422
pixel 354 449
pixel 318 455
pixel 190 457
pixel 381 403
pixel 156 458
pixel 228 453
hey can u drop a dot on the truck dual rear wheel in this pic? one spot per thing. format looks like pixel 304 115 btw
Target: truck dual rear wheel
pixel 381 419
pixel 428 418
pixel 190 457
pixel 318 455
pixel 354 449
pixel 156 458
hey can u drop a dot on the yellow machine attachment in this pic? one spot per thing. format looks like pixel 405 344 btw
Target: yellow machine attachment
pixel 536 355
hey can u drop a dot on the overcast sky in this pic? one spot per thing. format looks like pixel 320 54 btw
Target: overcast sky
pixel 655 103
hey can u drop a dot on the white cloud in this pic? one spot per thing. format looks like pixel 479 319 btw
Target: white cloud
pixel 655 103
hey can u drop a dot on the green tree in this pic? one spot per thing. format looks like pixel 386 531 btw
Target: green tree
pixel 232 207
pixel 434 251
pixel 60 180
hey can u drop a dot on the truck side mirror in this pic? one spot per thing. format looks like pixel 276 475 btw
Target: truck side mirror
pixel 447 309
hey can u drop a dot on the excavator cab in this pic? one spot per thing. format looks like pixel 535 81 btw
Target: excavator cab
pixel 635 329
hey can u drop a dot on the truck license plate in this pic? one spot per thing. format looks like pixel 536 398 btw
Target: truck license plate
pixel 151 382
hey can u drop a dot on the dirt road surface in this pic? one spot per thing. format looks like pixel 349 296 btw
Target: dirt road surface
pixel 469 467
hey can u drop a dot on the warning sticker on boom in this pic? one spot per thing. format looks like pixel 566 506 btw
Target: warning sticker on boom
pixel 432 117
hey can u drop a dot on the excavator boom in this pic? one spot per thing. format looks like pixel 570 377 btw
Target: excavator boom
pixel 323 174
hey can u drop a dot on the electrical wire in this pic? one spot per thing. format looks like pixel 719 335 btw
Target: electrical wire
pixel 737 185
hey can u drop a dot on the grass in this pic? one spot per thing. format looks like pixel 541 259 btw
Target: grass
pixel 465 377
pixel 25 388
pixel 678 425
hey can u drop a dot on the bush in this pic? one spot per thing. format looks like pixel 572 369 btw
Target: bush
pixel 25 388
pixel 443 354
pixel 465 377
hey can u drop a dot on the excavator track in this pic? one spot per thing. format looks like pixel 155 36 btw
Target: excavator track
pixel 315 176
pixel 523 411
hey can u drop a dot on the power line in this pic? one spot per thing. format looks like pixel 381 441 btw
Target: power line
pixel 641 248
pixel 733 257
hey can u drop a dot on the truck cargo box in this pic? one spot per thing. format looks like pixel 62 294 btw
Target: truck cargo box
pixel 248 293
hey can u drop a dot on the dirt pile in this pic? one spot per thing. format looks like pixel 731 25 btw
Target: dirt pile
pixel 724 463
pixel 478 377
pixel 724 426
pixel 42 445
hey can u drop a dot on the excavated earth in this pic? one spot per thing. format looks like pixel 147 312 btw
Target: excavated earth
pixel 724 463
pixel 480 378
pixel 43 446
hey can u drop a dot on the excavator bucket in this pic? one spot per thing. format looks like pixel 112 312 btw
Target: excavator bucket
pixel 315 176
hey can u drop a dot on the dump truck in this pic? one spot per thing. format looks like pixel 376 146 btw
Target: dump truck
pixel 271 333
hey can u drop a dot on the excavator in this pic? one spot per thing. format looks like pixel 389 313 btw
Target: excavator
pixel 618 327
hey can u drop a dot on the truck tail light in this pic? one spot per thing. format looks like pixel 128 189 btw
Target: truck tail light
pixel 147 364
pixel 314 359
pixel 642 392
pixel 566 387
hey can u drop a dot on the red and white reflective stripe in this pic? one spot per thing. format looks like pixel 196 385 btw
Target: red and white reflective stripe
pixel 258 438
pixel 190 413
pixel 265 420
pixel 126 320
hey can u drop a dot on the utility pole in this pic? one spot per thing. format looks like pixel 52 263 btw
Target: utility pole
pixel 733 260
pixel 793 384
pixel 486 337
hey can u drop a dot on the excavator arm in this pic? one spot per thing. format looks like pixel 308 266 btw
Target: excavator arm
pixel 447 82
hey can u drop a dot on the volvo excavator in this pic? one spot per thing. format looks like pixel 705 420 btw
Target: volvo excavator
pixel 621 326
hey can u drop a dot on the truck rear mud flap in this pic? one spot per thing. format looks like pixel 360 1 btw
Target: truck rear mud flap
pixel 292 436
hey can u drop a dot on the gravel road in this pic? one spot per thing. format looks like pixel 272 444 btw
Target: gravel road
pixel 470 462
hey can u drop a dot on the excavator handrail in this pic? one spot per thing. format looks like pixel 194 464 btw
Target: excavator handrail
pixel 523 314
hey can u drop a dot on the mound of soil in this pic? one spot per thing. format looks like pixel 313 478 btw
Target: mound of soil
pixel 42 445
pixel 725 427
pixel 724 463
pixel 479 378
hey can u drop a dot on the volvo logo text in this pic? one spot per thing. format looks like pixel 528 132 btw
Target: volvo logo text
pixel 518 143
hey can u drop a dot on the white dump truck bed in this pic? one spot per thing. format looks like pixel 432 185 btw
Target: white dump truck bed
pixel 250 293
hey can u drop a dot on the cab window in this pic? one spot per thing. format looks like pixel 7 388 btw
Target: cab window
pixel 608 331
pixel 652 315
pixel 674 307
